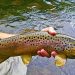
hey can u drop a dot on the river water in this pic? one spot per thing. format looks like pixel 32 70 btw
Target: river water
pixel 17 15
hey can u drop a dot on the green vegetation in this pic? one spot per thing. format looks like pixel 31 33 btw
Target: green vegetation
pixel 16 7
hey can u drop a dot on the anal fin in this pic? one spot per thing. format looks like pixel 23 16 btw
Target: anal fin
pixel 60 60
pixel 26 58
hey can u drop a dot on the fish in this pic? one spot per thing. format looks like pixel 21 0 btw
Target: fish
pixel 26 45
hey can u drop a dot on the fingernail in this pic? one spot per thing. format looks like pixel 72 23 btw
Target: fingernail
pixel 52 33
pixel 44 53
pixel 53 53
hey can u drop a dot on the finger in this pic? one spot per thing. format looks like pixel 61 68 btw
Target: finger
pixel 53 53
pixel 45 29
pixel 50 30
pixel 39 53
pixel 44 53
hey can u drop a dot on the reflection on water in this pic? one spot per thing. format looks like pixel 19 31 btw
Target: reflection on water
pixel 16 15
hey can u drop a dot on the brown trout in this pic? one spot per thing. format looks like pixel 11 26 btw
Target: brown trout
pixel 28 44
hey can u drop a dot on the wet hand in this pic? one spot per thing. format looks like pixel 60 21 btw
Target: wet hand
pixel 43 52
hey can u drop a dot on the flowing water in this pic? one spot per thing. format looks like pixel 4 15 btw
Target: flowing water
pixel 17 15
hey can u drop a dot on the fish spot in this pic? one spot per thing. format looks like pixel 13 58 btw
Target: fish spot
pixel 24 42
pixel 45 37
pixel 14 39
pixel 20 37
pixel 34 36
pixel 68 47
pixel 65 42
pixel 51 38
pixel 24 38
pixel 52 41
pixel 32 44
pixel 29 37
pixel 2 45
pixel 39 40
pixel 27 40
pixel 38 37
pixel 62 43
pixel 67 39
pixel 48 36
pixel 74 44
pixel 42 38
pixel 31 40
pixel 19 41
pixel 58 48
pixel 7 42
pixel 58 39
pixel 55 48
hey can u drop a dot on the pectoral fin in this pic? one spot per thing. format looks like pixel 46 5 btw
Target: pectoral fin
pixel 60 60
pixel 26 58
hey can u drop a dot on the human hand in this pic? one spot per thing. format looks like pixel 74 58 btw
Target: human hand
pixel 43 52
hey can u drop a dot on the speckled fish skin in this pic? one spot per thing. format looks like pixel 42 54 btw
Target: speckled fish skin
pixel 32 42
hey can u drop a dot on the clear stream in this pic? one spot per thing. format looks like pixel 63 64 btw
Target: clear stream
pixel 17 15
